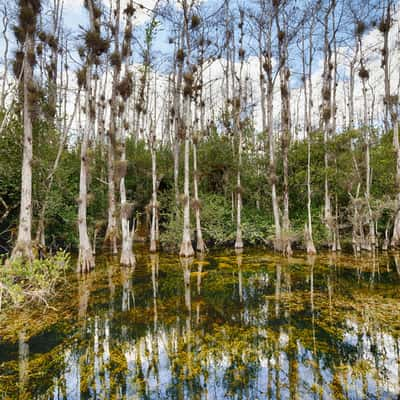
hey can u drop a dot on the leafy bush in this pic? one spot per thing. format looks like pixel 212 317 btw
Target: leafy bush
pixel 23 282
pixel 218 226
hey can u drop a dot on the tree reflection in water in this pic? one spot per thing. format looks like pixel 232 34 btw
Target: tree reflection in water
pixel 241 326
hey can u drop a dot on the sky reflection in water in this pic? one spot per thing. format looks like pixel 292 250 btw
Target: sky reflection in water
pixel 241 326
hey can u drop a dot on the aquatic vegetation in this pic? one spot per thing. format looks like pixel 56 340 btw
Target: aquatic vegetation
pixel 260 327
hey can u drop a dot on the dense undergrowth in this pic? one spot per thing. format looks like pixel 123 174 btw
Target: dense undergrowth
pixel 22 283
pixel 217 167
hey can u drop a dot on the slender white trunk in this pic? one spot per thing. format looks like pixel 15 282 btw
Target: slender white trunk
pixel 23 246
pixel 239 240
pixel 186 246
pixel 127 256
pixel 307 119
pixel 5 60
pixel 200 246
pixel 86 260
pixel 112 228
pixel 154 203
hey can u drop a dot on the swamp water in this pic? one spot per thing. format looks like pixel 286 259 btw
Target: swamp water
pixel 240 326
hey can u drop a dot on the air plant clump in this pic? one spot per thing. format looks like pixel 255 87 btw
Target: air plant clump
pixel 195 21
pixel 97 12
pixel 236 103
pixel 326 94
pixel 196 204
pixel 18 62
pixel 33 92
pixel 115 59
pixel 96 43
pixel 138 107
pixel 42 36
pixel 29 10
pixel 19 34
pixel 121 169
pixel 384 25
pixel 267 65
pixel 52 42
pixel 180 55
pixel 189 79
pixel 39 49
pixel 360 28
pixel 51 70
pixel 81 77
pixel 125 86
pixel 130 10
pixel 326 114
pixel 363 73
pixel 81 52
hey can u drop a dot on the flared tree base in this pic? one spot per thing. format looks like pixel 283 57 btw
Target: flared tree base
pixel 186 249
pixel 111 240
pixel 22 251
pixel 200 246
pixel 153 246
pixel 86 261
pixel 127 259
pixel 395 242
pixel 311 251
pixel 239 241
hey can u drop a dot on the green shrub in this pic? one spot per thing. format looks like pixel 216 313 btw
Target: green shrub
pixel 23 282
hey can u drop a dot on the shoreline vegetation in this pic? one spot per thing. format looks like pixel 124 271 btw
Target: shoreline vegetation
pixel 101 147
pixel 23 283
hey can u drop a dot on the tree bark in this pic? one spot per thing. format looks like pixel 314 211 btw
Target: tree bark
pixel 86 260
pixel 112 227
pixel 23 245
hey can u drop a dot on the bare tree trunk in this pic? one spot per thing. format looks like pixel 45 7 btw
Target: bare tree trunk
pixel 112 227
pixel 307 123
pixel 364 75
pixel 272 168
pixel 6 46
pixel 126 88
pixel 23 245
pixel 396 228
pixel 327 126
pixel 391 103
pixel 86 260
pixel 351 89
pixel 154 203
pixel 267 66
pixel 284 74
pixel 127 256
pixel 200 246
pixel 186 245
pixel 177 119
